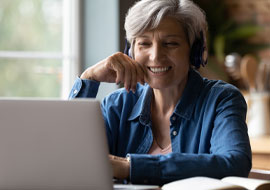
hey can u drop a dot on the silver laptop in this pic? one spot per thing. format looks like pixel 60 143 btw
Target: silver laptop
pixel 53 144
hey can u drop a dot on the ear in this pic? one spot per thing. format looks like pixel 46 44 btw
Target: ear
pixel 198 52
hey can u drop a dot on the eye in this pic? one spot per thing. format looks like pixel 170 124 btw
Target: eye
pixel 171 44
pixel 144 43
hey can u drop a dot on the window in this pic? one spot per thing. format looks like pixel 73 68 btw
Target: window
pixel 39 47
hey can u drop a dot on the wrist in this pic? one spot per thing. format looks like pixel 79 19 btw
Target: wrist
pixel 87 74
pixel 126 169
pixel 128 165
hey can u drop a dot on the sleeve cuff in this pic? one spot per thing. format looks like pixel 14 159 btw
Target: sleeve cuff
pixel 140 172
pixel 84 89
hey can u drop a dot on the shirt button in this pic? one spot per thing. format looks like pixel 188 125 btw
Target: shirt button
pixel 75 91
pixel 174 133
pixel 173 118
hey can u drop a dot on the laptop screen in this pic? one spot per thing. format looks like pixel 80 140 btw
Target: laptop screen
pixel 53 144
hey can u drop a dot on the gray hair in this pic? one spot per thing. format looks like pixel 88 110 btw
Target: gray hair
pixel 147 14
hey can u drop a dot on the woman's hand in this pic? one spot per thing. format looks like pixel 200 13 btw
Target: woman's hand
pixel 120 167
pixel 118 68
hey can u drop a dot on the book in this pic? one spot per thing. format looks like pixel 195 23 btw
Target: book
pixel 206 183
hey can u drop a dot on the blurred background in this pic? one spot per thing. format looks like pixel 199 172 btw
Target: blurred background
pixel 46 44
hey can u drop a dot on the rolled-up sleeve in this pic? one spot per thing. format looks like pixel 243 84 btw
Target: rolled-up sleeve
pixel 223 126
pixel 83 88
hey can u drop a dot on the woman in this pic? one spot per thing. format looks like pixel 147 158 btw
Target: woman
pixel 171 122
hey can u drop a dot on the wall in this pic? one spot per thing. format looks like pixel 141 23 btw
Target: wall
pixel 100 32
pixel 124 5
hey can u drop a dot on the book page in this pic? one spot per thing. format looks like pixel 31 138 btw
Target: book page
pixel 248 183
pixel 199 183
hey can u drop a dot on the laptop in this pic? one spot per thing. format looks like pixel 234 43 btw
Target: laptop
pixel 53 144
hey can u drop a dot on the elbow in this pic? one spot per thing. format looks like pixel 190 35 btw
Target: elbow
pixel 240 165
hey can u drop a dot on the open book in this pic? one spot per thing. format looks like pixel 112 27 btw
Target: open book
pixel 206 183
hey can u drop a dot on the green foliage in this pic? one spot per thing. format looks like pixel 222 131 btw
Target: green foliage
pixel 28 25
pixel 234 39
pixel 226 36
pixel 237 39
pixel 30 78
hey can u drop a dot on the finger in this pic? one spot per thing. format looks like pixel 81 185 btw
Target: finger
pixel 133 78
pixel 128 76
pixel 118 68
pixel 141 73
pixel 133 81
pixel 111 157
pixel 127 71
pixel 144 68
pixel 120 73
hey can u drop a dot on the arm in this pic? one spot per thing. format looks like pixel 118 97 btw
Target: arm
pixel 120 166
pixel 229 150
pixel 84 88
pixel 118 68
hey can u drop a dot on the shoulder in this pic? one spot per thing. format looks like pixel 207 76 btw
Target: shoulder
pixel 121 96
pixel 219 87
pixel 211 88
pixel 197 83
pixel 222 93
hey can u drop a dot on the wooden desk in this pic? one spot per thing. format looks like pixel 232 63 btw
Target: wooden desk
pixel 260 152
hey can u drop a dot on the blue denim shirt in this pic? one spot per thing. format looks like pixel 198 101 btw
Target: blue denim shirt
pixel 207 128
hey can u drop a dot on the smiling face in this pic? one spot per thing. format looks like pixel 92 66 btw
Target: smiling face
pixel 164 52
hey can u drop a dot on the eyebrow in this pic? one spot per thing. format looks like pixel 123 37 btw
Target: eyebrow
pixel 166 36
pixel 143 36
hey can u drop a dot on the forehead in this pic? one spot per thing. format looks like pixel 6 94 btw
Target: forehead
pixel 167 27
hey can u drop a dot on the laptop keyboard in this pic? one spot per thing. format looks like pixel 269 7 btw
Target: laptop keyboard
pixel 132 187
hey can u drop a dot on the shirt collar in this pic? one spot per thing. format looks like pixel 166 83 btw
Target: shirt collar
pixel 186 104
pixel 143 106
pixel 184 107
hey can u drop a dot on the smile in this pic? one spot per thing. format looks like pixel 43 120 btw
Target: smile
pixel 157 70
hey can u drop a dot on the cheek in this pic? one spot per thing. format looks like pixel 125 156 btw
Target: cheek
pixel 140 57
pixel 182 58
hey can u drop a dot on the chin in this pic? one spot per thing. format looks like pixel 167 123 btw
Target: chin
pixel 158 85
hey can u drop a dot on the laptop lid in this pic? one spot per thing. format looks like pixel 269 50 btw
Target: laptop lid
pixel 53 144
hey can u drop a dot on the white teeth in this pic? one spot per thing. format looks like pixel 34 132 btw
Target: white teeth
pixel 159 70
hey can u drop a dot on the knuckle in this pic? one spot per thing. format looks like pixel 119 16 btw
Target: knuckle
pixel 110 59
pixel 118 54
pixel 132 65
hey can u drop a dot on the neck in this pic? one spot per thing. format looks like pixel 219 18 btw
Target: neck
pixel 165 100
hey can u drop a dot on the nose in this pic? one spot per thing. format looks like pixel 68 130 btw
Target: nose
pixel 156 53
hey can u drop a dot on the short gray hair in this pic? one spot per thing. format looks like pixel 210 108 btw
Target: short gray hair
pixel 147 14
